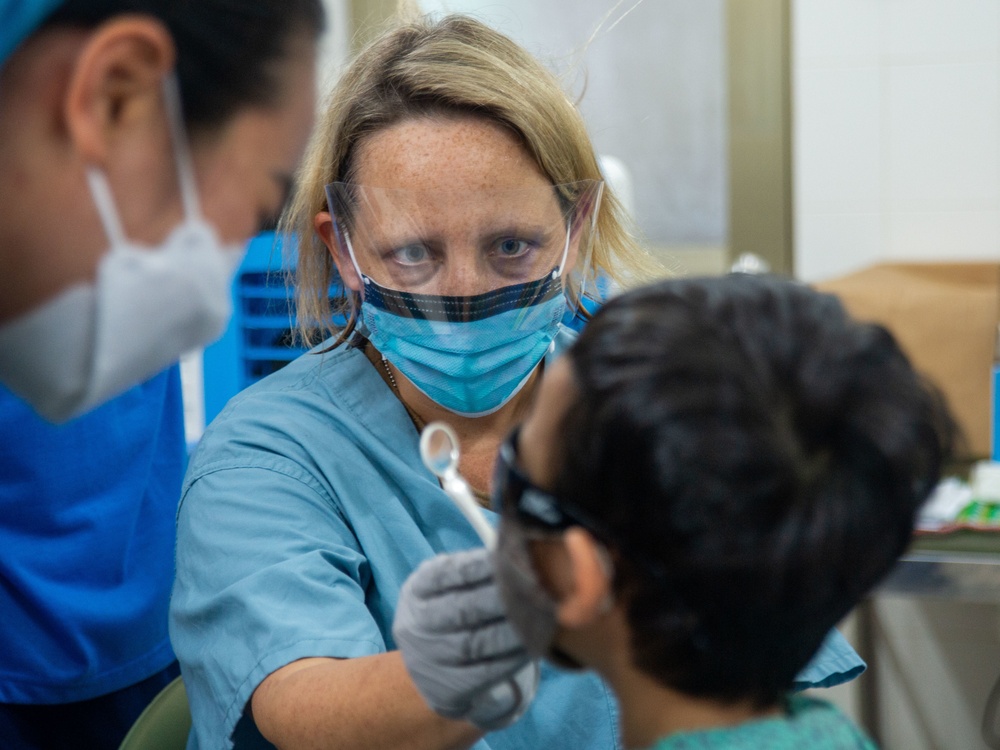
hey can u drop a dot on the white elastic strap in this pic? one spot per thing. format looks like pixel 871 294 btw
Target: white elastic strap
pixel 182 152
pixel 350 252
pixel 105 203
pixel 562 263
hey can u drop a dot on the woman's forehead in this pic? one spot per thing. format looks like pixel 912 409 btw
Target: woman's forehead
pixel 446 152
pixel 451 209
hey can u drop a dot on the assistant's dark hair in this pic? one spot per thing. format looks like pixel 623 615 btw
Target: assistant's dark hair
pixel 758 459
pixel 226 49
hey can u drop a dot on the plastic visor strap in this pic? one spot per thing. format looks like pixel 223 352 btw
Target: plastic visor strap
pixel 593 222
pixel 101 191
pixel 354 261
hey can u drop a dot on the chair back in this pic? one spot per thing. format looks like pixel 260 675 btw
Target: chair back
pixel 164 724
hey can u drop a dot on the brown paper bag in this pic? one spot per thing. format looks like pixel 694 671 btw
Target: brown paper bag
pixel 944 315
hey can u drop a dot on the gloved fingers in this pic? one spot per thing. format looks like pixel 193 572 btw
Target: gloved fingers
pixel 486 646
pixel 491 642
pixel 458 570
pixel 459 610
pixel 463 655
pixel 474 678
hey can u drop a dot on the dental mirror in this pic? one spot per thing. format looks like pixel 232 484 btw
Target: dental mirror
pixel 440 454
pixel 439 448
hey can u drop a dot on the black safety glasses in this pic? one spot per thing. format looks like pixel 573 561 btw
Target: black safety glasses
pixel 542 511
pixel 514 492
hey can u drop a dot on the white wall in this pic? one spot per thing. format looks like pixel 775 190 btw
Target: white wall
pixel 896 132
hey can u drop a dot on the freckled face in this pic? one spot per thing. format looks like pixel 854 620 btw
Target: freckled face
pixel 453 206
pixel 446 153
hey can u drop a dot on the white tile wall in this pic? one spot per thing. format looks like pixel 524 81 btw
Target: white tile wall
pixel 931 235
pixel 841 243
pixel 938 31
pixel 836 32
pixel 943 134
pixel 838 152
pixel 896 121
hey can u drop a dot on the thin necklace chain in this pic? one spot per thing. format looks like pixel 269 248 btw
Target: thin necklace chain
pixel 417 420
pixel 392 379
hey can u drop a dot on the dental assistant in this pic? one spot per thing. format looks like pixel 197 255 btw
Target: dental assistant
pixel 452 189
pixel 140 144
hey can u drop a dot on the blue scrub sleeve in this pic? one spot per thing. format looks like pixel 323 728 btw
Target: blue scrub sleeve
pixel 267 572
pixel 835 663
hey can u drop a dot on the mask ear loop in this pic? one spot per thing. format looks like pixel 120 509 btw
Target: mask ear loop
pixel 104 201
pixel 182 151
pixel 342 233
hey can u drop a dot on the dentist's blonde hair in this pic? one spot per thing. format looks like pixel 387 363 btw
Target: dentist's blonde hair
pixel 455 66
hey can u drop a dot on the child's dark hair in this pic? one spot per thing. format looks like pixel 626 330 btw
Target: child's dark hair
pixel 225 48
pixel 764 454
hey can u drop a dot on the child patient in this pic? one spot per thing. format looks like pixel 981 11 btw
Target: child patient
pixel 715 474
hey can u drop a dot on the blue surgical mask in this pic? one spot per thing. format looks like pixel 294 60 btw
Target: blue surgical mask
pixel 472 354
pixel 412 249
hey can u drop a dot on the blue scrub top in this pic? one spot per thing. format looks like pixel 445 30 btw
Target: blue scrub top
pixel 86 543
pixel 305 508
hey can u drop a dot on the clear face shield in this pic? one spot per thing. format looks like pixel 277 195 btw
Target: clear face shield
pixel 459 244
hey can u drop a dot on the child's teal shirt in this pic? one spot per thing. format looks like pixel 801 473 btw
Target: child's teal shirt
pixel 807 723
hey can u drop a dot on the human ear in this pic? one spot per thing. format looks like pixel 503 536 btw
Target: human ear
pixel 116 84
pixel 587 580
pixel 324 225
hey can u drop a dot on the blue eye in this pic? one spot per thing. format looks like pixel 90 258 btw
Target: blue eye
pixel 411 255
pixel 512 248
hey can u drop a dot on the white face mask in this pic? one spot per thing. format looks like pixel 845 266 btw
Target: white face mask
pixel 147 306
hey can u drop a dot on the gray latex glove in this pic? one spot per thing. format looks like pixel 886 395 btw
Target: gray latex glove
pixel 463 655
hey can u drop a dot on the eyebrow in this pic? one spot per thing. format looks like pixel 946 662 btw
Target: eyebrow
pixel 535 232
pixel 514 230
